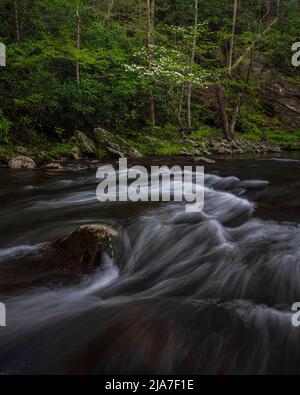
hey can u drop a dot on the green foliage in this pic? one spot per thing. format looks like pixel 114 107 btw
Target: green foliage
pixel 65 150
pixel 101 153
pixel 7 151
pixel 252 120
pixel 288 140
pixel 170 149
pixel 206 132
pixel 42 100
pixel 5 127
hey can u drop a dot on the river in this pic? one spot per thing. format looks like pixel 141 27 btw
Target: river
pixel 206 293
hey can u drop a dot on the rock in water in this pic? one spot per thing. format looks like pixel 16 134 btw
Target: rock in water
pixel 87 243
pixel 53 166
pixel 87 146
pixel 62 262
pixel 203 159
pixel 115 145
pixel 22 162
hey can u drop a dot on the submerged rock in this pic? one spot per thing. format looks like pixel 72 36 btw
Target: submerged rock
pixel 22 162
pixel 204 160
pixel 87 243
pixel 115 145
pixel 53 166
pixel 61 262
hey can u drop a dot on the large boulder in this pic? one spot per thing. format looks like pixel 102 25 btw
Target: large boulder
pixel 86 145
pixel 62 262
pixel 87 243
pixel 22 162
pixel 115 145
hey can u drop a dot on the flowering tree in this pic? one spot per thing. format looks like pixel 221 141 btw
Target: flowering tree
pixel 172 70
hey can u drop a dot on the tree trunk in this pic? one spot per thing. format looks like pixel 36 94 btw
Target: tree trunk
pixel 78 39
pixel 177 108
pixel 277 7
pixel 17 22
pixel 267 9
pixel 109 10
pixel 227 128
pixel 150 14
pixel 241 94
pixel 231 47
pixel 235 114
pixel 221 100
pixel 189 98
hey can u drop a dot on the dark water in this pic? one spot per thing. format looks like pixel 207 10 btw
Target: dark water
pixel 191 293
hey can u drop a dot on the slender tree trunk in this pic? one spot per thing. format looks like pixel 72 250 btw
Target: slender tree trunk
pixel 177 108
pixel 267 9
pixel 17 22
pixel 231 46
pixel 222 105
pixel 78 42
pixel 241 95
pixel 277 7
pixel 189 96
pixel 227 128
pixel 235 113
pixel 181 103
pixel 109 10
pixel 150 14
pixel 140 12
pixel 254 43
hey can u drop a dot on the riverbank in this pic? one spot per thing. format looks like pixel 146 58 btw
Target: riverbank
pixel 204 145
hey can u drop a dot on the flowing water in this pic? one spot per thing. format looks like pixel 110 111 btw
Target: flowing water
pixel 191 293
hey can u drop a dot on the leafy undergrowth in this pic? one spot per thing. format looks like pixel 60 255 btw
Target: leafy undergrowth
pixel 281 138
pixel 170 143
pixel 61 150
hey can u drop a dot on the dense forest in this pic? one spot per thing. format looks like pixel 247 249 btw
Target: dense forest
pixel 152 71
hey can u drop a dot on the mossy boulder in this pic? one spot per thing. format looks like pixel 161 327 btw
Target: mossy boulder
pixel 60 263
pixel 86 145
pixel 87 243
pixel 22 162
pixel 115 145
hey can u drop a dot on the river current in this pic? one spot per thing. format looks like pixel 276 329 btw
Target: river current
pixel 190 293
